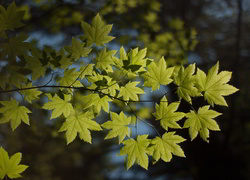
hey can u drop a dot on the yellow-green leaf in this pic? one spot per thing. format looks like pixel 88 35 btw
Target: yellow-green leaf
pixel 163 147
pixel 59 106
pixel 77 49
pixel 130 91
pixel 158 74
pixel 167 114
pixel 215 85
pixel 97 33
pixel 10 167
pixel 136 151
pixel 104 60
pixel 201 122
pixel 14 113
pixel 185 80
pixel 119 126
pixel 80 124
pixel 30 94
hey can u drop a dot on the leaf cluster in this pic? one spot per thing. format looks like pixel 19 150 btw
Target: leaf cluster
pixel 105 78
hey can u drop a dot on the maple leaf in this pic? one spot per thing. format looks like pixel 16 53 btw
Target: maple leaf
pixel 119 126
pixel 30 94
pixel 167 115
pixel 10 167
pixel 111 86
pixel 185 81
pixel 77 49
pixel 12 16
pixel 97 33
pixel 59 106
pixel 214 85
pixel 130 91
pixel 201 122
pixel 138 57
pixel 15 47
pixel 163 147
pixel 98 102
pixel 80 124
pixel 136 151
pixel 70 76
pixel 104 60
pixel 158 74
pixel 86 70
pixel 14 113
pixel 33 63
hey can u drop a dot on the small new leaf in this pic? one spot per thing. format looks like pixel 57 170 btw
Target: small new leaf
pixel 97 33
pixel 163 147
pixel 167 115
pixel 130 91
pixel 136 151
pixel 10 167
pixel 59 106
pixel 80 124
pixel 215 85
pixel 201 122
pixel 14 113
pixel 98 102
pixel 119 126
pixel 158 74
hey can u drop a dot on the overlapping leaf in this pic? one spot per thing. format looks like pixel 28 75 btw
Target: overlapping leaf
pixel 14 113
pixel 104 60
pixel 70 78
pixel 136 151
pixel 201 122
pixel 119 126
pixel 10 167
pixel 30 94
pixel 98 102
pixel 167 114
pixel 77 50
pixel 185 81
pixel 215 85
pixel 80 124
pixel 97 33
pixel 163 147
pixel 158 74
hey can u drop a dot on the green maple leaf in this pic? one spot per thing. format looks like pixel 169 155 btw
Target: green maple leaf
pixel 185 81
pixel 12 16
pixel 3 27
pixel 111 86
pixel 98 102
pixel 158 74
pixel 86 70
pixel 14 113
pixel 10 167
pixel 104 60
pixel 138 57
pixel 80 124
pixel 119 126
pixel 136 151
pixel 167 115
pixel 97 33
pixel 77 49
pixel 59 106
pixel 70 75
pixel 130 91
pixel 30 94
pixel 15 47
pixel 201 122
pixel 33 63
pixel 214 85
pixel 163 147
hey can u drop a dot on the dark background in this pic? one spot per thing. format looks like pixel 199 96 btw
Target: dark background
pixel 222 28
